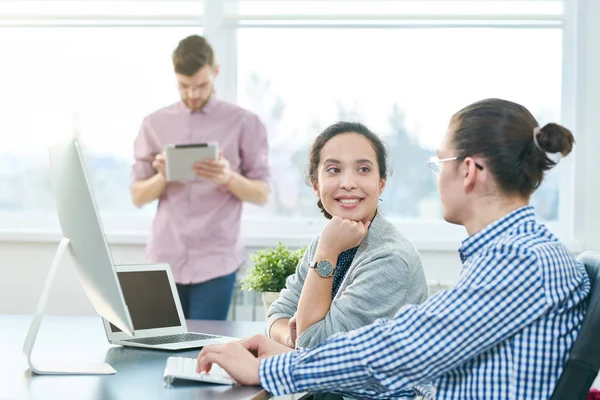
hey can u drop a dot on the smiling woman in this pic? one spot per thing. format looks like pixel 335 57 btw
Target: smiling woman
pixel 358 252
pixel 348 170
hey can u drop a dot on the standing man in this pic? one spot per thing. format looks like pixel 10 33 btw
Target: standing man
pixel 197 224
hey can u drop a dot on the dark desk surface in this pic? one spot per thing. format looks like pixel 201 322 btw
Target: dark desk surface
pixel 139 371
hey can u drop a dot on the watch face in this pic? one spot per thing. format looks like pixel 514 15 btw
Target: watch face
pixel 324 268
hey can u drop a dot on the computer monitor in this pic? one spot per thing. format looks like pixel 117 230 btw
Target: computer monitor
pixel 85 240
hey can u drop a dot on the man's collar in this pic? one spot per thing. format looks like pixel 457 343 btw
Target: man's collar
pixel 476 241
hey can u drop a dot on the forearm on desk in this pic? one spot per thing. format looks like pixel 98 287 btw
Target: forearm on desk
pixel 251 190
pixel 145 191
pixel 280 331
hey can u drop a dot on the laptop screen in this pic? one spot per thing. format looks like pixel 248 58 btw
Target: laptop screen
pixel 150 300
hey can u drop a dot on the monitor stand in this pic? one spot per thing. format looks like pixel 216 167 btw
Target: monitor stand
pixel 56 368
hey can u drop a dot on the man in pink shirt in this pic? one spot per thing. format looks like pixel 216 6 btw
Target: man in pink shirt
pixel 197 224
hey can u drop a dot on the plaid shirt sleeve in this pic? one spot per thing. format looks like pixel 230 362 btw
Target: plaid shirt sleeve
pixel 499 292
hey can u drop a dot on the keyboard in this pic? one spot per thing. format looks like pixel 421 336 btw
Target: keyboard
pixel 184 337
pixel 185 368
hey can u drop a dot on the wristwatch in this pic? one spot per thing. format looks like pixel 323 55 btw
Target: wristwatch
pixel 324 268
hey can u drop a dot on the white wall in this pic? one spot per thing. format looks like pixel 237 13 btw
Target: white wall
pixel 24 268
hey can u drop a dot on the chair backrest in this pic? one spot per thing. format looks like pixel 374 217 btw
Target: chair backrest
pixel 584 358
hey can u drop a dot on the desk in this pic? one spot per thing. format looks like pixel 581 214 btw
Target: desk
pixel 139 371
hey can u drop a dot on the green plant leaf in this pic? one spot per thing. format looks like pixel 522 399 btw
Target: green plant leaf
pixel 271 268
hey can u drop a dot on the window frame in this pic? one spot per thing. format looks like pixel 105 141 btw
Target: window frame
pixel 221 30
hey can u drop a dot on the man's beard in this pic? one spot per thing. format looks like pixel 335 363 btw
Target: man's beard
pixel 198 103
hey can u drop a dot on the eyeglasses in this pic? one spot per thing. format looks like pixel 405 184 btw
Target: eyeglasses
pixel 435 167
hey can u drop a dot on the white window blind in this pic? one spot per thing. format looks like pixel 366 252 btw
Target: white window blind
pixel 394 12
pixel 25 13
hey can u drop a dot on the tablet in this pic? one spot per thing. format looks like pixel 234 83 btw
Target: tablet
pixel 180 159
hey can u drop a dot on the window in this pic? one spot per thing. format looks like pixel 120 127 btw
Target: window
pixel 94 67
pixel 402 83
pixel 99 81
pixel 402 67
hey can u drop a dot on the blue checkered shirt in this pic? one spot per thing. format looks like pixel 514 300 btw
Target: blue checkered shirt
pixel 502 332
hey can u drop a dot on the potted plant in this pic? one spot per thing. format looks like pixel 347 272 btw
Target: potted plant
pixel 271 269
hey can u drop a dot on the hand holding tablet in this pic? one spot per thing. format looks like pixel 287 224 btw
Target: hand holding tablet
pixel 180 159
pixel 218 171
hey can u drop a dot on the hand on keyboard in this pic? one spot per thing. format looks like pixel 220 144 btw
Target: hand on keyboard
pixel 185 368
pixel 241 359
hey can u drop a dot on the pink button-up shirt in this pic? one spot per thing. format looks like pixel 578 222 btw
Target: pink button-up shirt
pixel 197 224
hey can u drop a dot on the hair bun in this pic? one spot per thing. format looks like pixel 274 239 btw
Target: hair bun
pixel 554 138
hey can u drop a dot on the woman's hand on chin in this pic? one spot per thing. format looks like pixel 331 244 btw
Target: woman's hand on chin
pixel 341 234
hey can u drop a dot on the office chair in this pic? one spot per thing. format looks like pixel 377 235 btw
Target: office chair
pixel 584 359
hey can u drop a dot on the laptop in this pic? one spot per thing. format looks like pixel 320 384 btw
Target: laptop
pixel 151 296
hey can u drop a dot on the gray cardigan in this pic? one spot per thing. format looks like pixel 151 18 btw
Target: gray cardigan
pixel 386 273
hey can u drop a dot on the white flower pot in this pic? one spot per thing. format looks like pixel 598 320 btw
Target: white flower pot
pixel 267 299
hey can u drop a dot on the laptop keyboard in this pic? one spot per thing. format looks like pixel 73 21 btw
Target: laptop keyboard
pixel 184 337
